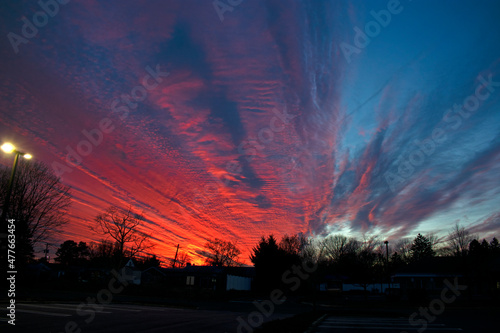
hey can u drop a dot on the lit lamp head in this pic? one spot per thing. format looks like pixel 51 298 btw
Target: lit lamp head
pixel 8 147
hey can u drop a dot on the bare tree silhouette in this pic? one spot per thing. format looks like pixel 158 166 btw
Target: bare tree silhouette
pixel 123 226
pixel 38 203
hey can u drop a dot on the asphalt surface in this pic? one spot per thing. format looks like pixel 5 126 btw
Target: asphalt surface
pixel 458 319
pixel 376 325
pixel 69 317
pixel 239 316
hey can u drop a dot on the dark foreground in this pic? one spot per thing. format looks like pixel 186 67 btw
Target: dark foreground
pixel 377 315
pixel 242 316
pixel 67 317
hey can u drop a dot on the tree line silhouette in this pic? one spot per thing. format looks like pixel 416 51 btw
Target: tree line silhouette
pixel 40 201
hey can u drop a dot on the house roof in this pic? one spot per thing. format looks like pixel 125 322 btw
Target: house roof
pixel 154 270
pixel 206 270
pixel 130 263
pixel 203 269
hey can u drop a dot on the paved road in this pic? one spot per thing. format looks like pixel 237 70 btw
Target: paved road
pixel 375 325
pixel 55 317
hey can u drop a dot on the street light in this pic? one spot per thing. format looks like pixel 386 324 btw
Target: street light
pixel 10 148
pixel 387 250
pixel 387 261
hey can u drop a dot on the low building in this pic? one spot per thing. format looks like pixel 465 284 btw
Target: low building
pixel 201 277
pixel 428 277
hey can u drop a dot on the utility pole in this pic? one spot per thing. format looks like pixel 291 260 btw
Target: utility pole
pixel 46 251
pixel 175 259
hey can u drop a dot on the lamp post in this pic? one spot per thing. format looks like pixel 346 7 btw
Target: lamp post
pixel 9 148
pixel 387 260
pixel 386 251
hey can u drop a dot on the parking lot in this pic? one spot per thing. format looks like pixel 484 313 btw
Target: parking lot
pixel 68 317
pixel 375 325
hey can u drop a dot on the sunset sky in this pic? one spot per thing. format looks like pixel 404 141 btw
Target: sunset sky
pixel 237 119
